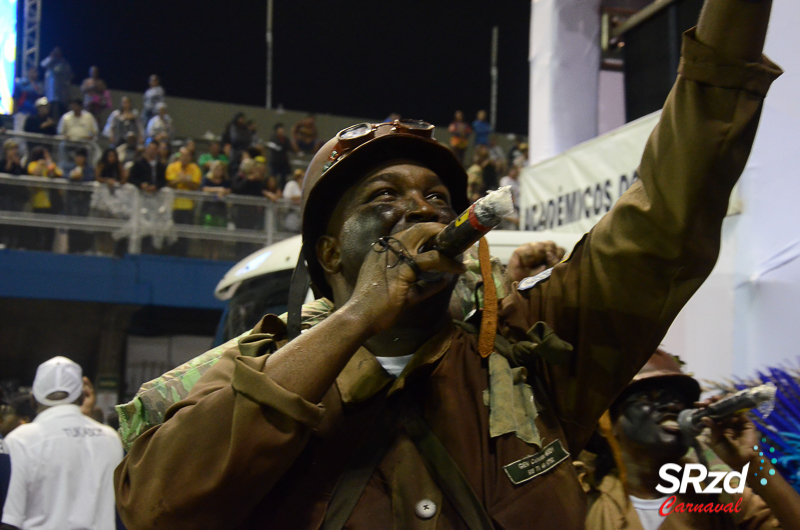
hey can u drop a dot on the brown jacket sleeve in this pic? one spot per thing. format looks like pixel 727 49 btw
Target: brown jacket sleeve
pixel 220 450
pixel 616 296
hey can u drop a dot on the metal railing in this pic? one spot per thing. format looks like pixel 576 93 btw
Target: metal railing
pixel 61 149
pixel 132 216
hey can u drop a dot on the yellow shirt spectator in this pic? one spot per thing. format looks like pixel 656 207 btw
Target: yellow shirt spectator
pixel 183 175
pixel 43 168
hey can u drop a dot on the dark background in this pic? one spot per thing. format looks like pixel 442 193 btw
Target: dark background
pixel 364 58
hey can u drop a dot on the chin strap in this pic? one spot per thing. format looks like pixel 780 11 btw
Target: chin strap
pixel 489 314
pixel 298 289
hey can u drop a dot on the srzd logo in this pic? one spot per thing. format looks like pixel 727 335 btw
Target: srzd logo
pixel 719 480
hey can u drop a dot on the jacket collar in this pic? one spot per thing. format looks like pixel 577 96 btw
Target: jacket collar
pixel 363 376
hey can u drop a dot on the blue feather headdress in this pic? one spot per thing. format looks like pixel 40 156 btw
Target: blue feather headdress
pixel 781 428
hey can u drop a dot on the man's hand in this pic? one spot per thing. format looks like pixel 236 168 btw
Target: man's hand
pixel 383 292
pixel 532 258
pixel 733 440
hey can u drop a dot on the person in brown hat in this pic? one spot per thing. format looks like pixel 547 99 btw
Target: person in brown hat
pixel 644 428
pixel 385 414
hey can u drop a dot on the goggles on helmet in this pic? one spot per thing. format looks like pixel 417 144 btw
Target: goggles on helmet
pixel 356 135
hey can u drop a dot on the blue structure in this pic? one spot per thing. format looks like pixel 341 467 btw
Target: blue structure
pixel 134 279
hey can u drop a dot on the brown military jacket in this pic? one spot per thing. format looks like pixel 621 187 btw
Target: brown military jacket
pixel 612 511
pixel 242 452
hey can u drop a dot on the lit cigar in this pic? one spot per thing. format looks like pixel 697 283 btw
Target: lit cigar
pixel 482 216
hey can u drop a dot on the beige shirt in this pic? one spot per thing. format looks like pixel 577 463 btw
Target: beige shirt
pixel 611 510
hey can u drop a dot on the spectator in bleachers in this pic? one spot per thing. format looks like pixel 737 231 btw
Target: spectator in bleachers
pixel 214 212
pixel 271 189
pixel 512 180
pixel 47 201
pixel 214 154
pixel 305 136
pixel 109 169
pixel 191 147
pixel 96 96
pixel 475 187
pixel 164 152
pixel 253 128
pixel 160 126
pixel 41 122
pixel 83 171
pixel 128 151
pixel 17 409
pixel 11 160
pixel 238 134
pixel 183 174
pixel 293 190
pixel 152 97
pixel 518 155
pixel 12 198
pixel 57 77
pixel 482 128
pixel 27 90
pixel 488 171
pixel 249 181
pixel 251 177
pixel 110 172
pixel 78 201
pixel 293 193
pixel 496 153
pixel 459 135
pixel 279 147
pixel 121 121
pixel 77 124
pixel 148 172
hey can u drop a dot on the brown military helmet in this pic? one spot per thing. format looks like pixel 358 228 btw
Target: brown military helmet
pixel 344 159
pixel 662 365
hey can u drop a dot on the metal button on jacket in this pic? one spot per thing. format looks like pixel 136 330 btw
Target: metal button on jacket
pixel 425 509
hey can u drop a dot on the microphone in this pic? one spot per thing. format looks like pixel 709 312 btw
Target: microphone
pixel 466 229
pixel 763 397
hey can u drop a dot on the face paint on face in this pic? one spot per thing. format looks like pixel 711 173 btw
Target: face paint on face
pixel 388 200
pixel 648 417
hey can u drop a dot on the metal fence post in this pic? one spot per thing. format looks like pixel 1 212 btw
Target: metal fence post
pixel 269 221
pixel 135 239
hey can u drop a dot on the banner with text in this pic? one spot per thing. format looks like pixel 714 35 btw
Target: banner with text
pixel 572 191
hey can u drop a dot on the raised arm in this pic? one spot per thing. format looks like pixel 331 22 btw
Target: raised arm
pixel 616 296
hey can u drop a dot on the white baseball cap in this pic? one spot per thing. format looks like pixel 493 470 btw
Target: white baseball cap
pixel 59 374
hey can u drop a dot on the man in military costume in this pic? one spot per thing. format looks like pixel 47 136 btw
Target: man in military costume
pixel 316 432
pixel 643 424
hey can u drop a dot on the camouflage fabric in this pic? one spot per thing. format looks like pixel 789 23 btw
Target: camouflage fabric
pixel 512 407
pixel 151 402
pixel 154 397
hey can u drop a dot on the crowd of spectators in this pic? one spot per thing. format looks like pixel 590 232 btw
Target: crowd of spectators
pixel 491 166
pixel 140 152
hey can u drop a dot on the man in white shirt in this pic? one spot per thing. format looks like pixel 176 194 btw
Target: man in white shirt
pixel 160 126
pixel 293 193
pixel 62 463
pixel 77 124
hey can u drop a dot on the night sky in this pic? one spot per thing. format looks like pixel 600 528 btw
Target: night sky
pixel 421 58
